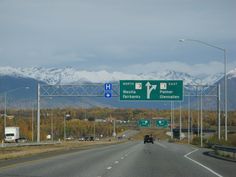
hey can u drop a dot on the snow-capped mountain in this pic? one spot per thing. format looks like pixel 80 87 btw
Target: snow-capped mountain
pixel 11 78
pixel 73 76
pixel 65 75
pixel 232 74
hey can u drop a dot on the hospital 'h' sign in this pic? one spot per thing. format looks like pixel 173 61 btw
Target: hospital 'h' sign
pixel 160 90
pixel 108 89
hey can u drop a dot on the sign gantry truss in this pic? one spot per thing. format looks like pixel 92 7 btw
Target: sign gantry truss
pixel 82 90
pixel 97 90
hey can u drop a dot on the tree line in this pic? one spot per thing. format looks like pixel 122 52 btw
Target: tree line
pixel 82 121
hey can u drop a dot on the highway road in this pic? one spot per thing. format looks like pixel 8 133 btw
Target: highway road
pixel 132 159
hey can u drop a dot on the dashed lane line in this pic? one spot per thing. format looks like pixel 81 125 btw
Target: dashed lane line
pixel 108 168
pixel 162 145
pixel 116 162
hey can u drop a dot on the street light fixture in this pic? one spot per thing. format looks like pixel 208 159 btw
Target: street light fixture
pixel 225 78
pixel 5 104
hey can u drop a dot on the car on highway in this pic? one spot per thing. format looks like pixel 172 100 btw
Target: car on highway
pixel 148 139
pixel 82 138
pixel 22 140
pixel 70 138
pixel 91 138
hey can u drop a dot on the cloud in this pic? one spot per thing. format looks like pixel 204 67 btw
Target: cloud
pixel 114 34
pixel 69 56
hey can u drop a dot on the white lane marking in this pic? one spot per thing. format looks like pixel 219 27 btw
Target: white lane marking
pixel 122 158
pixel 126 155
pixel 212 171
pixel 116 162
pixel 162 145
pixel 108 168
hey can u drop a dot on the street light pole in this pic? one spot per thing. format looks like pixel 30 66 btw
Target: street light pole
pixel 5 111
pixel 180 120
pixel 64 128
pixel 52 132
pixel 225 79
pixel 189 118
pixel 218 104
pixel 5 106
pixel 198 108
pixel 226 96
pixel 38 114
pixel 171 121
pixel 94 129
pixel 201 120
pixel 32 122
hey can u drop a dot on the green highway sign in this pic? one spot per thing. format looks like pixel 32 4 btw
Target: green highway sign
pixel 162 123
pixel 160 90
pixel 144 123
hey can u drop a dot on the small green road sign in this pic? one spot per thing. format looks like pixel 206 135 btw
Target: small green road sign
pixel 162 123
pixel 161 90
pixel 144 123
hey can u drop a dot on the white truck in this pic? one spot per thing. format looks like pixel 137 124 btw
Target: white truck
pixel 12 134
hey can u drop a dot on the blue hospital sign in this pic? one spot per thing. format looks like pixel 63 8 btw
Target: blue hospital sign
pixel 108 86
pixel 108 90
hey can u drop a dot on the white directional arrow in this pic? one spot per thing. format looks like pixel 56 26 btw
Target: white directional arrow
pixel 107 95
pixel 150 88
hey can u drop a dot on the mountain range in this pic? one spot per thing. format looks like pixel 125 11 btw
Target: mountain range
pixel 72 76
pixel 11 78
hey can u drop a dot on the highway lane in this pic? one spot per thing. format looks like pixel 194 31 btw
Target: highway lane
pixel 132 159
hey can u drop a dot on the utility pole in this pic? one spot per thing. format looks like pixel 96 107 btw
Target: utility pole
pixel 180 120
pixel 94 129
pixel 114 127
pixel 33 122
pixel 201 118
pixel 38 115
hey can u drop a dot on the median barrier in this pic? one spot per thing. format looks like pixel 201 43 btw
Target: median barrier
pixel 225 151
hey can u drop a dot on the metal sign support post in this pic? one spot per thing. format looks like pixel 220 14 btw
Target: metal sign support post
pixel 198 115
pixel 201 118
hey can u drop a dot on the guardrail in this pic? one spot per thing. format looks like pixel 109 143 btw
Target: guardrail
pixel 3 145
pixel 225 151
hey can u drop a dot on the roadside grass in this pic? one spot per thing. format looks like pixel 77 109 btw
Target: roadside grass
pixel 26 151
pixel 214 140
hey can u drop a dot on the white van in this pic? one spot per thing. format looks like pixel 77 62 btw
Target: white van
pixel 12 134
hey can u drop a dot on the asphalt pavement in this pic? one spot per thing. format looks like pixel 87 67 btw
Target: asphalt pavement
pixel 132 159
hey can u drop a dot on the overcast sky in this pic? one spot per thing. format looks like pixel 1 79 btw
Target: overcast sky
pixel 131 36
